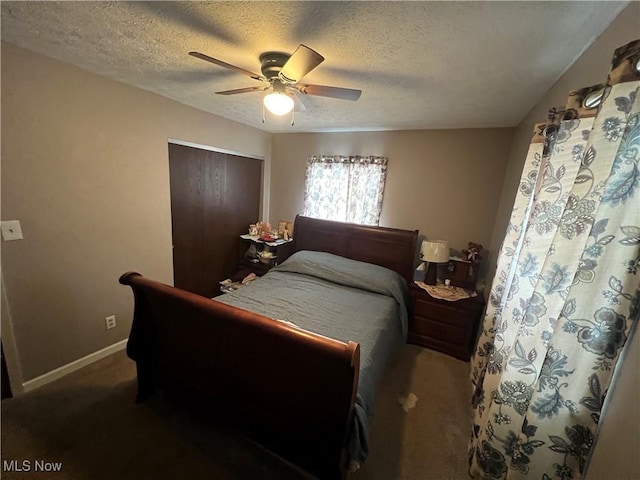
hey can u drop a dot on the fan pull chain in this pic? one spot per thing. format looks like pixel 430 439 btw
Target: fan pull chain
pixel 292 116
pixel 263 114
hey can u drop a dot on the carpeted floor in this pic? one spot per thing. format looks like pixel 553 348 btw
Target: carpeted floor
pixel 88 421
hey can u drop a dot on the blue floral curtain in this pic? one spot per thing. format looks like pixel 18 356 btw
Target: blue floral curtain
pixel 346 189
pixel 565 297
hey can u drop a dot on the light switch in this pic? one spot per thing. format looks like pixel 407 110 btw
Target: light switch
pixel 11 230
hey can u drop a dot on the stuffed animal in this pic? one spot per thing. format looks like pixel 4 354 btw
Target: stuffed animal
pixel 473 252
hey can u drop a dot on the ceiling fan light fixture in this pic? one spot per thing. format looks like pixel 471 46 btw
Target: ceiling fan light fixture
pixel 281 75
pixel 278 103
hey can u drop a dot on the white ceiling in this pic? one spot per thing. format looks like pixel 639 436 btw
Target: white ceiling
pixel 420 65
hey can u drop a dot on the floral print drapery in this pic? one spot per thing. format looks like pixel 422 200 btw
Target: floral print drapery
pixel 566 295
pixel 346 189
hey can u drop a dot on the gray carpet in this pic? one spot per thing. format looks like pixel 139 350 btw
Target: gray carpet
pixel 89 422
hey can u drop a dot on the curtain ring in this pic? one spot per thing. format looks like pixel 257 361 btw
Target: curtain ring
pixel 593 99
pixel 550 131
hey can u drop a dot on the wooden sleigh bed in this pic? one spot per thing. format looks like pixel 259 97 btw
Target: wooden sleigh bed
pixel 291 390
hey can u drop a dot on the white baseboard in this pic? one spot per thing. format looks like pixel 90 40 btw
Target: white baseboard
pixel 72 367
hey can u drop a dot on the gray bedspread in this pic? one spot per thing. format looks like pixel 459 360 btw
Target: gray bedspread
pixel 341 299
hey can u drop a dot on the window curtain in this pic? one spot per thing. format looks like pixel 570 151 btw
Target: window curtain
pixel 346 189
pixel 565 297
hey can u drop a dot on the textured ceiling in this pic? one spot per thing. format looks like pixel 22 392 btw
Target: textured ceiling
pixel 419 64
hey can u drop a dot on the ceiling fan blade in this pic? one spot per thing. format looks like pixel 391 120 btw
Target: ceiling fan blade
pixel 301 62
pixel 220 63
pixel 298 104
pixel 333 92
pixel 242 90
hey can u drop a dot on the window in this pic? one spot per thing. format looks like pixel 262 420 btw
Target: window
pixel 346 189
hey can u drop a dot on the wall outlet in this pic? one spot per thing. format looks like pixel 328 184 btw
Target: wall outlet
pixel 110 321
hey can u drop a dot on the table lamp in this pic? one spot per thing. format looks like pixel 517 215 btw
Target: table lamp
pixel 434 252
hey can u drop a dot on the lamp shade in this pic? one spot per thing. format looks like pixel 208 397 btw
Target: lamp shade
pixel 436 251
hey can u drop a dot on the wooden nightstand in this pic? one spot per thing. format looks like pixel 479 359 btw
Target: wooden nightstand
pixel 449 327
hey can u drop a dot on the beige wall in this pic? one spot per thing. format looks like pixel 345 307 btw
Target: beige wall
pixel 85 170
pixel 616 453
pixel 446 183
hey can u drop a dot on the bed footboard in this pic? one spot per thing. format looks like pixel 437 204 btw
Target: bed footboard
pixel 290 390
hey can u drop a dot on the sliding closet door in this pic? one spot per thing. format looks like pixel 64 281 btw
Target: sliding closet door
pixel 214 198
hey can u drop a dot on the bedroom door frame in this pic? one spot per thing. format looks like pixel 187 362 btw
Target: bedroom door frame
pixel 12 358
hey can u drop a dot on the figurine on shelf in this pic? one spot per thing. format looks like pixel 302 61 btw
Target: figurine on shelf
pixel 473 252
pixel 264 229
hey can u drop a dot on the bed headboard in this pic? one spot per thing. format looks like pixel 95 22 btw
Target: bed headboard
pixel 392 248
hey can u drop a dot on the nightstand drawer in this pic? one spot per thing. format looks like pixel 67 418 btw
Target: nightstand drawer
pixel 449 327
pixel 440 313
pixel 450 333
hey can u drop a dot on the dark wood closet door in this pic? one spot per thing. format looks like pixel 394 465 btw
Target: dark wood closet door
pixel 214 198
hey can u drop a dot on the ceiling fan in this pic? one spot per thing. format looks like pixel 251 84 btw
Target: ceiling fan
pixel 281 75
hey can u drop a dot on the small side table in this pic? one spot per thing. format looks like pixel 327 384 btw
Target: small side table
pixel 449 327
pixel 253 263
